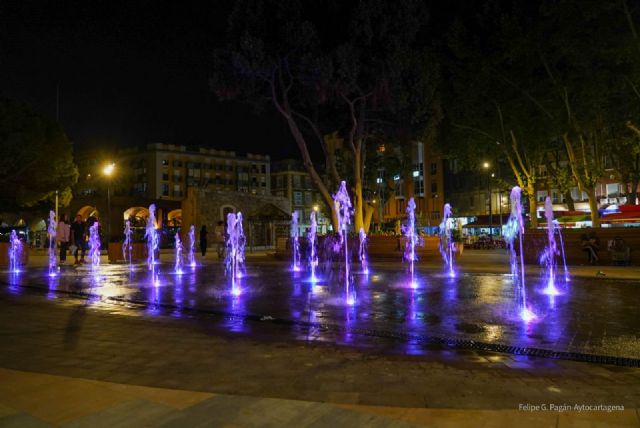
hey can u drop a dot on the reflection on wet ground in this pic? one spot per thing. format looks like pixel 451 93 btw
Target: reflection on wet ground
pixel 476 310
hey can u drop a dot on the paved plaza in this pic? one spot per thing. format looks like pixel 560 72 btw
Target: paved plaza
pixel 70 359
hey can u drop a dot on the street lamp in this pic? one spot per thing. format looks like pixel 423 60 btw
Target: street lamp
pixel 486 166
pixel 108 172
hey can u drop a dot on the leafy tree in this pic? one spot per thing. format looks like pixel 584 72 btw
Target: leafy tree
pixel 357 70
pixel 37 158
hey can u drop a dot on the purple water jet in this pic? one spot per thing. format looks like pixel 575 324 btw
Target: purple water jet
pixel 151 234
pixel 15 252
pixel 412 238
pixel 295 242
pixel 94 245
pixel 363 251
pixel 515 229
pixel 179 259
pixel 127 245
pixel 313 256
pixel 342 205
pixel 192 246
pixel 548 256
pixel 447 246
pixel 51 231
pixel 235 256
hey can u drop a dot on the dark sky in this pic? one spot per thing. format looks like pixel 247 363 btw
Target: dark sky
pixel 129 73
pixel 134 72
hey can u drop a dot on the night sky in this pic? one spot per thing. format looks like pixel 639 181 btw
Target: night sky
pixel 129 73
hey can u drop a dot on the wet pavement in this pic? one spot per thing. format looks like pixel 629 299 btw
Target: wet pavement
pixel 479 310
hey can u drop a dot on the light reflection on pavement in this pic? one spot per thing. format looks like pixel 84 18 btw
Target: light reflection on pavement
pixel 592 317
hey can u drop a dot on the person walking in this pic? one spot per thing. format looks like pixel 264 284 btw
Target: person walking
pixel 78 237
pixel 63 233
pixel 203 240
pixel 219 239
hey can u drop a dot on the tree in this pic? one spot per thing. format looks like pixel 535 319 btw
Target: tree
pixel 493 109
pixel 357 70
pixel 37 158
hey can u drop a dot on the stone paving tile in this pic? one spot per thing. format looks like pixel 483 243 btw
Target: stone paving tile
pixel 220 362
pixel 134 413
pixel 22 420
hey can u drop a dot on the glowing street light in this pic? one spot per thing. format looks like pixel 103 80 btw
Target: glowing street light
pixel 108 172
pixel 108 169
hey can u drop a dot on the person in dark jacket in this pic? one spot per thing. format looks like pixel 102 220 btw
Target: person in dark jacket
pixel 203 240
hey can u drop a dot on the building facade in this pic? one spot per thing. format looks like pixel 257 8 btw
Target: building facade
pixel 424 182
pixel 161 174
pixel 290 180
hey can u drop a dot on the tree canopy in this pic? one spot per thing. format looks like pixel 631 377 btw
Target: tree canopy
pixel 359 70
pixel 36 158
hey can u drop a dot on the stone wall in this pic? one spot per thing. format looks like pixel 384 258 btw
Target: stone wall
pixel 204 206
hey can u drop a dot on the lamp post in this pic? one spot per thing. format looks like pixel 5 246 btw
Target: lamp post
pixel 486 166
pixel 108 172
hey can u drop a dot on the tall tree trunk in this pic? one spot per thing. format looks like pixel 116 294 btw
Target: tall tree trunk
pixel 533 204
pixel 308 164
pixel 571 206
pixel 593 206
pixel 632 191
pixel 368 215
pixel 358 220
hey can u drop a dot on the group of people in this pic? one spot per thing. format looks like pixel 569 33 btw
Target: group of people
pixel 72 237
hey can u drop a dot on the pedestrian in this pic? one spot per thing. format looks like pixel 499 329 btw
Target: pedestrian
pixel 594 242
pixel 203 240
pixel 78 237
pixel 219 238
pixel 587 247
pixel 63 234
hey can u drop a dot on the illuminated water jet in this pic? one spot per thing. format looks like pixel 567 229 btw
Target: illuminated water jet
pixel 342 205
pixel 513 230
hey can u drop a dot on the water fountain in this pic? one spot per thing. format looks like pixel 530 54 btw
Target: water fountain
pixel 15 252
pixel 94 245
pixel 550 252
pixel 410 245
pixel 343 211
pixel 192 246
pixel 447 246
pixel 295 242
pixel 313 256
pixel 515 229
pixel 235 256
pixel 127 245
pixel 151 234
pixel 179 259
pixel 53 257
pixel 363 251
pixel 548 256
